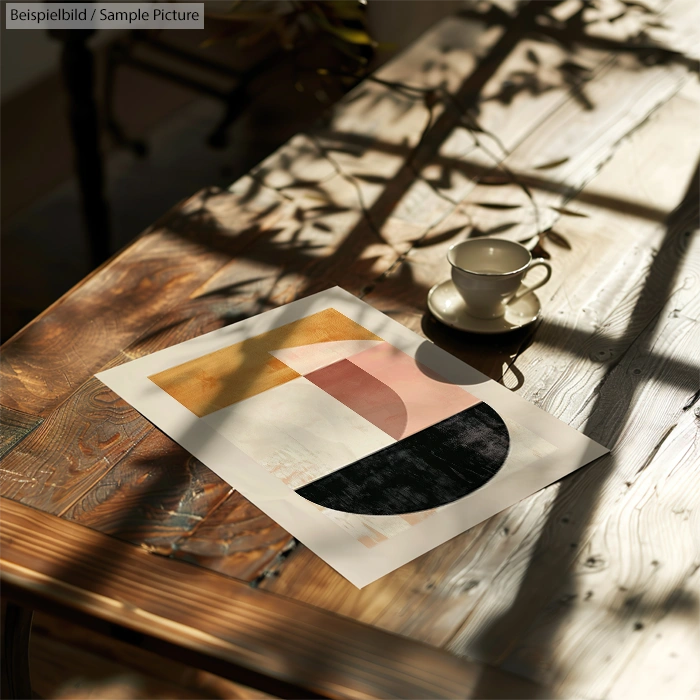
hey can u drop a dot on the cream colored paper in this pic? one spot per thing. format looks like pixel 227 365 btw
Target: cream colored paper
pixel 361 548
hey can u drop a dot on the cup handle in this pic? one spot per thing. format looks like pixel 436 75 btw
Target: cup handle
pixel 537 285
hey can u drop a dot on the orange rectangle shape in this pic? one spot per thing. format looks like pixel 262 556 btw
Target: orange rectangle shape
pixel 224 377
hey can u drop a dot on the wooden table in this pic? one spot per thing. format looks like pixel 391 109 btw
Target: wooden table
pixel 589 588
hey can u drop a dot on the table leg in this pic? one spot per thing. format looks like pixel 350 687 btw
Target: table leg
pixel 77 66
pixel 16 682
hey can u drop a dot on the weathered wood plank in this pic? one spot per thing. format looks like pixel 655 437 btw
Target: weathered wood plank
pixel 662 664
pixel 621 97
pixel 638 561
pixel 658 367
pixel 615 590
pixel 464 570
pixel 51 357
pixel 144 488
pixel 287 243
pixel 371 158
pixel 160 497
pixel 310 247
pixel 72 449
pixel 425 599
pixel 93 429
pixel 154 494
pixel 672 24
pixel 15 427
pixel 224 624
pixel 236 539
pixel 560 133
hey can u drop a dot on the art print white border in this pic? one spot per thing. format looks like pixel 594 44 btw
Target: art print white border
pixel 359 564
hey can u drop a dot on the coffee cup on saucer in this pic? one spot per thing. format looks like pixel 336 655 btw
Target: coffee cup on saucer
pixel 486 293
pixel 487 273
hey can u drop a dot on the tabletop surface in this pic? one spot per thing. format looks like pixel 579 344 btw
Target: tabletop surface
pixel 486 126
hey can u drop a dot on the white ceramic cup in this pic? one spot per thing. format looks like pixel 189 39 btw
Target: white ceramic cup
pixel 487 273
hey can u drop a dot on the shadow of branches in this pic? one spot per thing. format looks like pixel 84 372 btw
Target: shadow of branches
pixel 310 237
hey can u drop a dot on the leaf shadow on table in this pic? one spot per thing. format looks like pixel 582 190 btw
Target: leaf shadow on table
pixel 298 258
pixel 284 255
pixel 552 573
pixel 500 636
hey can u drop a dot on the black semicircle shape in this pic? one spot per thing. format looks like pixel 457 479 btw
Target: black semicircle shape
pixel 431 468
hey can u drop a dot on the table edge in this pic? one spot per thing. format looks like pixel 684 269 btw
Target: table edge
pixel 259 635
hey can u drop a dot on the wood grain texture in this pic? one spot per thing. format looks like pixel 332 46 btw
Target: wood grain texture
pixel 15 427
pixel 345 204
pixel 622 334
pixel 51 357
pixel 152 496
pixel 213 617
pixel 72 449
pixel 160 497
pixel 274 253
pixel 236 539
pixel 443 587
pixel 92 429
pixel 569 521
pixel 623 513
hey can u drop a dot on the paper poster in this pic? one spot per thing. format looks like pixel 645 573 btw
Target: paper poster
pixel 366 442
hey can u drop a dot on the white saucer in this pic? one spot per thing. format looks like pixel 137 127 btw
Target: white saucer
pixel 447 306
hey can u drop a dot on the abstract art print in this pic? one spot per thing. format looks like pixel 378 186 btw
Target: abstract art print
pixel 366 442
